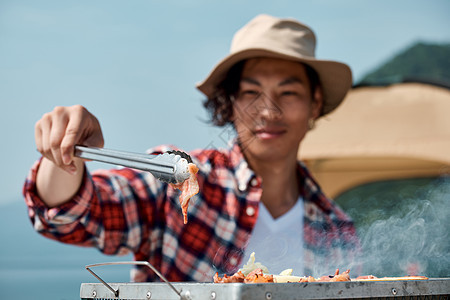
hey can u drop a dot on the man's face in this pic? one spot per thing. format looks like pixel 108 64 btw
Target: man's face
pixel 272 108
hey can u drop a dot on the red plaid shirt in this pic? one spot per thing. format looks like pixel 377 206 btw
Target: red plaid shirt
pixel 124 210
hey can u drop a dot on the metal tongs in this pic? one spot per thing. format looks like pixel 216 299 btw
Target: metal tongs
pixel 170 167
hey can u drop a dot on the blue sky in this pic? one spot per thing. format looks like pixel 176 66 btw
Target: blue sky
pixel 134 64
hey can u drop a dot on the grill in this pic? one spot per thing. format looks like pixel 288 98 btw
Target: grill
pixel 408 289
pixel 434 288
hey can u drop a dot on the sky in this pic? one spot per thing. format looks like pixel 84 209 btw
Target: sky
pixel 134 64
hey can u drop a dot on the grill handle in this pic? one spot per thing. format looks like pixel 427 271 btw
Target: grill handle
pixel 183 296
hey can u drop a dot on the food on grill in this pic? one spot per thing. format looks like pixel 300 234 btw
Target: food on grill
pixel 336 277
pixel 237 277
pixel 255 272
pixel 252 265
pixel 258 276
pixel 188 189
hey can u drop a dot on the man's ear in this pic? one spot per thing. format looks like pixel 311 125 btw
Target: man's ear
pixel 233 113
pixel 317 103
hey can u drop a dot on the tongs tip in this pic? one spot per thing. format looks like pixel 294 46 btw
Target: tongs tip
pixel 182 154
pixel 181 168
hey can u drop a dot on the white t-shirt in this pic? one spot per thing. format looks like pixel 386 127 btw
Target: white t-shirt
pixel 278 243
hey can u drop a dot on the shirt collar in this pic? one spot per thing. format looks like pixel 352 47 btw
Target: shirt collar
pixel 243 172
pixel 311 190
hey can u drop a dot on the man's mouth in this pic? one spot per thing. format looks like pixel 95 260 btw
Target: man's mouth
pixel 269 133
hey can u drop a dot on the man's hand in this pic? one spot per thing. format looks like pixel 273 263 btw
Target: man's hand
pixel 58 132
pixel 60 174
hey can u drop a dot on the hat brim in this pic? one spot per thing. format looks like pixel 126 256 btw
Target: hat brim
pixel 335 77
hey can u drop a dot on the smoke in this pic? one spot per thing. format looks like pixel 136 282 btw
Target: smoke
pixel 404 228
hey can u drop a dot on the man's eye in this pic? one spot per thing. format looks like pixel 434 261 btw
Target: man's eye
pixel 289 93
pixel 250 92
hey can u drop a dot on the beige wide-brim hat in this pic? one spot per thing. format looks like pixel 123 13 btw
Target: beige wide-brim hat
pixel 268 36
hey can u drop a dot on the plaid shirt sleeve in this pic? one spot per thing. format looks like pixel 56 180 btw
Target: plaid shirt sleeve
pixel 108 212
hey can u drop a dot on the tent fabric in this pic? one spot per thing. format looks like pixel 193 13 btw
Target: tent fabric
pixel 381 133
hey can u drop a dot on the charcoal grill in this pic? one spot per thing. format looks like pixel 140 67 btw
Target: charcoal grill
pixel 434 288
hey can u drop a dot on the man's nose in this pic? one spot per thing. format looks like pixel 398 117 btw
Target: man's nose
pixel 267 107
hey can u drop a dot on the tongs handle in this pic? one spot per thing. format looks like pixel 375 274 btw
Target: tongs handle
pixel 170 168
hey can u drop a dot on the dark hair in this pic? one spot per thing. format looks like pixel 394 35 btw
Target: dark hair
pixel 220 105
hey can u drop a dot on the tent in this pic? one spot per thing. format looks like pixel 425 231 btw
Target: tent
pixel 381 133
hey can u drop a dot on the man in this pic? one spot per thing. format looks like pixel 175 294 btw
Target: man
pixel 254 196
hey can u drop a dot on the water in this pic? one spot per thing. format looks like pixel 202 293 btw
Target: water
pixel 34 267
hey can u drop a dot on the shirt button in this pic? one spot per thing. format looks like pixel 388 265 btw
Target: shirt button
pixel 233 261
pixel 242 187
pixel 250 211
pixel 254 182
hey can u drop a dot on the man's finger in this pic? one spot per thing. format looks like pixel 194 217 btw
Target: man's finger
pixel 56 135
pixel 72 136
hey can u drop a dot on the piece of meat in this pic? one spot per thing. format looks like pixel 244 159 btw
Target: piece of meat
pixel 237 277
pixel 325 278
pixel 336 277
pixel 257 276
pixel 188 189
pixel 341 277
pixel 308 279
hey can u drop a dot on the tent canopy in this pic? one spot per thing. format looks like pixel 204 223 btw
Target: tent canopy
pixel 381 133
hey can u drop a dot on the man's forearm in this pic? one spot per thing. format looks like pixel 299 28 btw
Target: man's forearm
pixel 56 186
